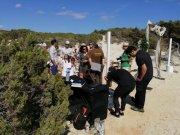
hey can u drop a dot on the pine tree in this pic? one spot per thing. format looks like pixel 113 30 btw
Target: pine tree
pixel 31 100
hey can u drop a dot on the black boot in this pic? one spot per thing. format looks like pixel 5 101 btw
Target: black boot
pixel 115 113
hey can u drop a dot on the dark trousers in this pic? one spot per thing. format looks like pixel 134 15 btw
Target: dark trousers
pixel 122 92
pixel 141 92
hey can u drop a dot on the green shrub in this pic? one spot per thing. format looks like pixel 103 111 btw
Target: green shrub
pixel 33 101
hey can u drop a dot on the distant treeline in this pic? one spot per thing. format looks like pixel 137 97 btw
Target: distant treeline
pixel 40 37
pixel 132 35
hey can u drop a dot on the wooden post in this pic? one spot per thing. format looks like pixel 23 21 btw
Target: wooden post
pixel 169 54
pixel 169 68
pixel 108 51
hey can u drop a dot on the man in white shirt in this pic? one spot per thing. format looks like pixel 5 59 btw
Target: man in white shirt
pixel 68 50
pixel 52 50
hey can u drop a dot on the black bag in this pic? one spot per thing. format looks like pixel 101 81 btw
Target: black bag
pixel 76 79
pixel 96 97
pixel 95 88
pixel 80 118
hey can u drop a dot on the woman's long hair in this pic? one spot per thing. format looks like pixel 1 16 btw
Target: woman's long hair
pixel 67 57
pixel 82 48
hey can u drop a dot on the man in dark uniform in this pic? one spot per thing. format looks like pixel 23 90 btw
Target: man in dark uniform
pixel 145 74
pixel 126 84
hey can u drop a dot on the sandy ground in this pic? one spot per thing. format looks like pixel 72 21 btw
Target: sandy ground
pixel 162 107
pixel 162 111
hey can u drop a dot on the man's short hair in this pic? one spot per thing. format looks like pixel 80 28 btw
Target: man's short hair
pixel 95 45
pixel 53 41
pixel 130 49
pixel 112 68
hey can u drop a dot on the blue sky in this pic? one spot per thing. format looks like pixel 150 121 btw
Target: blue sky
pixel 84 16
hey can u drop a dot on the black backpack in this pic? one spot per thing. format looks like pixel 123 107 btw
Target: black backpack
pixel 80 117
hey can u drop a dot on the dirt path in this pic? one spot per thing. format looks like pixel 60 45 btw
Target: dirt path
pixel 162 111
pixel 162 108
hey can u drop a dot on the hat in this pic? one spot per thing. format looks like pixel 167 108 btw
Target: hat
pixel 44 44
pixel 67 42
pixel 83 44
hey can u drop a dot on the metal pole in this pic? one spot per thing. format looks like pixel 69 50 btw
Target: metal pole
pixel 169 67
pixel 169 54
pixel 108 50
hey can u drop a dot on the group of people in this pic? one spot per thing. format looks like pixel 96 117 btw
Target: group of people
pixel 88 61
pixel 84 60
pixel 126 82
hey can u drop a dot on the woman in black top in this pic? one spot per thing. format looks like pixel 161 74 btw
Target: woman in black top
pixel 126 84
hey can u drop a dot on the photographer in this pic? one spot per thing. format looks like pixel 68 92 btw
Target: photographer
pixel 126 84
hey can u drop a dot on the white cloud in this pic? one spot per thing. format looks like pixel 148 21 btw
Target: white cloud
pixel 106 17
pixel 18 5
pixel 40 12
pixel 121 7
pixel 75 15
pixel 170 0
pixel 63 8
pixel 1 26
pixel 173 1
pixel 147 1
